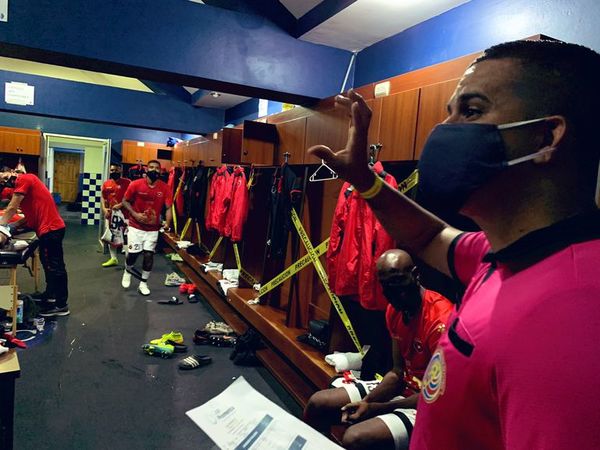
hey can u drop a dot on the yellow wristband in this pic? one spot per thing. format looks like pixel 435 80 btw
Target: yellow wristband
pixel 374 189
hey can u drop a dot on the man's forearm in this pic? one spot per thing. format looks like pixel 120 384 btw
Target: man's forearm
pixel 411 226
pixel 169 217
pixel 9 212
pixel 391 386
pixel 128 207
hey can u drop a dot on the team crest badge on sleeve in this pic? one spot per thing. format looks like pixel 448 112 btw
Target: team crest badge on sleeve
pixel 434 381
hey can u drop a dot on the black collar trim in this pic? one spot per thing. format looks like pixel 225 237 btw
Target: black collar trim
pixel 539 244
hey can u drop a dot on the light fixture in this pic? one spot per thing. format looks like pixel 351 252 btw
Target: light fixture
pixel 215 94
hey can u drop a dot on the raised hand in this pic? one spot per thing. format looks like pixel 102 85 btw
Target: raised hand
pixel 351 163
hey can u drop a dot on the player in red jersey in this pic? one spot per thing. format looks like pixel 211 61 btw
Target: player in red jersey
pixel 382 414
pixel 41 214
pixel 144 200
pixel 113 191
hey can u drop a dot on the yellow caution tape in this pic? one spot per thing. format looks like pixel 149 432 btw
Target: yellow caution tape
pixel 186 227
pixel 410 182
pixel 248 278
pixel 214 250
pixel 337 304
pixel 293 269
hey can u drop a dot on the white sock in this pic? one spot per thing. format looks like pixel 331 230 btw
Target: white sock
pixel 113 252
pixel 145 275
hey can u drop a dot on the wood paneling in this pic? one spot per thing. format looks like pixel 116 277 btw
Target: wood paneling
pixel 375 105
pixel 432 110
pixel 329 128
pixel 292 138
pixel 398 125
pixel 67 167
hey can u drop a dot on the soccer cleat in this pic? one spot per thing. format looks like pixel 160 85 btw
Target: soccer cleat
pixel 111 262
pixel 126 280
pixel 164 350
pixel 214 327
pixel 172 279
pixel 143 288
pixel 174 336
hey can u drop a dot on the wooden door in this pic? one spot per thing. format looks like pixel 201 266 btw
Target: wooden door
pixel 375 105
pixel 292 137
pixel 131 152
pixel 66 175
pixel 397 125
pixel 231 151
pixel 432 110
pixel 28 144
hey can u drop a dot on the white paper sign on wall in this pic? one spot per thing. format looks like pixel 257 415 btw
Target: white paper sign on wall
pixel 18 93
pixel 3 10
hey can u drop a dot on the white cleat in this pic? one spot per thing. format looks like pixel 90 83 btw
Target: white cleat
pixel 143 288
pixel 126 280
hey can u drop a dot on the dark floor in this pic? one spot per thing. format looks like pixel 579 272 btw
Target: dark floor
pixel 85 384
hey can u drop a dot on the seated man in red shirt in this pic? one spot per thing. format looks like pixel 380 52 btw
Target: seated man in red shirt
pixel 113 191
pixel 41 214
pixel 378 415
pixel 145 199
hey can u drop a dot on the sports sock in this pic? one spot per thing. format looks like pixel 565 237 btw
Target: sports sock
pixel 113 252
pixel 145 275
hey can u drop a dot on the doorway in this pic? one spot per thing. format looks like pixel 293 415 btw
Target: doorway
pixel 68 165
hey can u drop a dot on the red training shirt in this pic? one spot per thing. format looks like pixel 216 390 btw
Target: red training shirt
pixel 148 200
pixel 41 213
pixel 518 368
pixel 418 341
pixel 113 192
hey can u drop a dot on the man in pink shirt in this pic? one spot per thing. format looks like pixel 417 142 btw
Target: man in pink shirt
pixel 518 154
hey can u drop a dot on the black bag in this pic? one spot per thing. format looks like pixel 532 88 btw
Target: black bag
pixel 244 351
pixel 318 334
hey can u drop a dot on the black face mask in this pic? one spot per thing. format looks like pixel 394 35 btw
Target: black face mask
pixel 152 175
pixel 403 294
pixel 115 175
pixel 10 183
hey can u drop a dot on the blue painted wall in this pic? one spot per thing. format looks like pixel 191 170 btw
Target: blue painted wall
pixel 247 110
pixel 90 102
pixel 175 41
pixel 85 129
pixel 475 26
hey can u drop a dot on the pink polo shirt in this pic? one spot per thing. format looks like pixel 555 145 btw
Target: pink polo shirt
pixel 519 366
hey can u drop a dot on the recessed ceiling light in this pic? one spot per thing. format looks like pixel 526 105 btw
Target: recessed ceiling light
pixel 215 94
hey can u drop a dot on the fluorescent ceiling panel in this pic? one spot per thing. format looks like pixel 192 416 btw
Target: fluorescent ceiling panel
pixel 366 22
pixel 224 101
pixel 66 73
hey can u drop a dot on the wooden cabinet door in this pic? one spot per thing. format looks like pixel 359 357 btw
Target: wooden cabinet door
pixel 398 125
pixel 432 110
pixel 28 144
pixel 131 152
pixel 292 138
pixel 231 149
pixel 258 152
pixel 213 149
pixel 329 128
pixel 375 105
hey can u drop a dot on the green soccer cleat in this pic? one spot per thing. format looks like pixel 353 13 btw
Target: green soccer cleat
pixel 111 262
pixel 163 350
pixel 174 336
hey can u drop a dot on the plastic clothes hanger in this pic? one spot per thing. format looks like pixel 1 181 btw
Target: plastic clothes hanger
pixel 329 174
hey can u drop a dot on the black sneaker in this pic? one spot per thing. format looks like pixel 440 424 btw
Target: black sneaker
pixel 52 311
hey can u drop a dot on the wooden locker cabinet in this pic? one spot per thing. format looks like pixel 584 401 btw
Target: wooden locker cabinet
pixel 398 125
pixel 432 110
pixel 329 128
pixel 231 149
pixel 132 153
pixel 259 143
pixel 292 139
pixel 20 141
pixel 211 151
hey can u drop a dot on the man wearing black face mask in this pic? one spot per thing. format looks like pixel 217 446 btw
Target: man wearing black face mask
pixel 145 199
pixel 382 415
pixel 113 191
pixel 519 155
